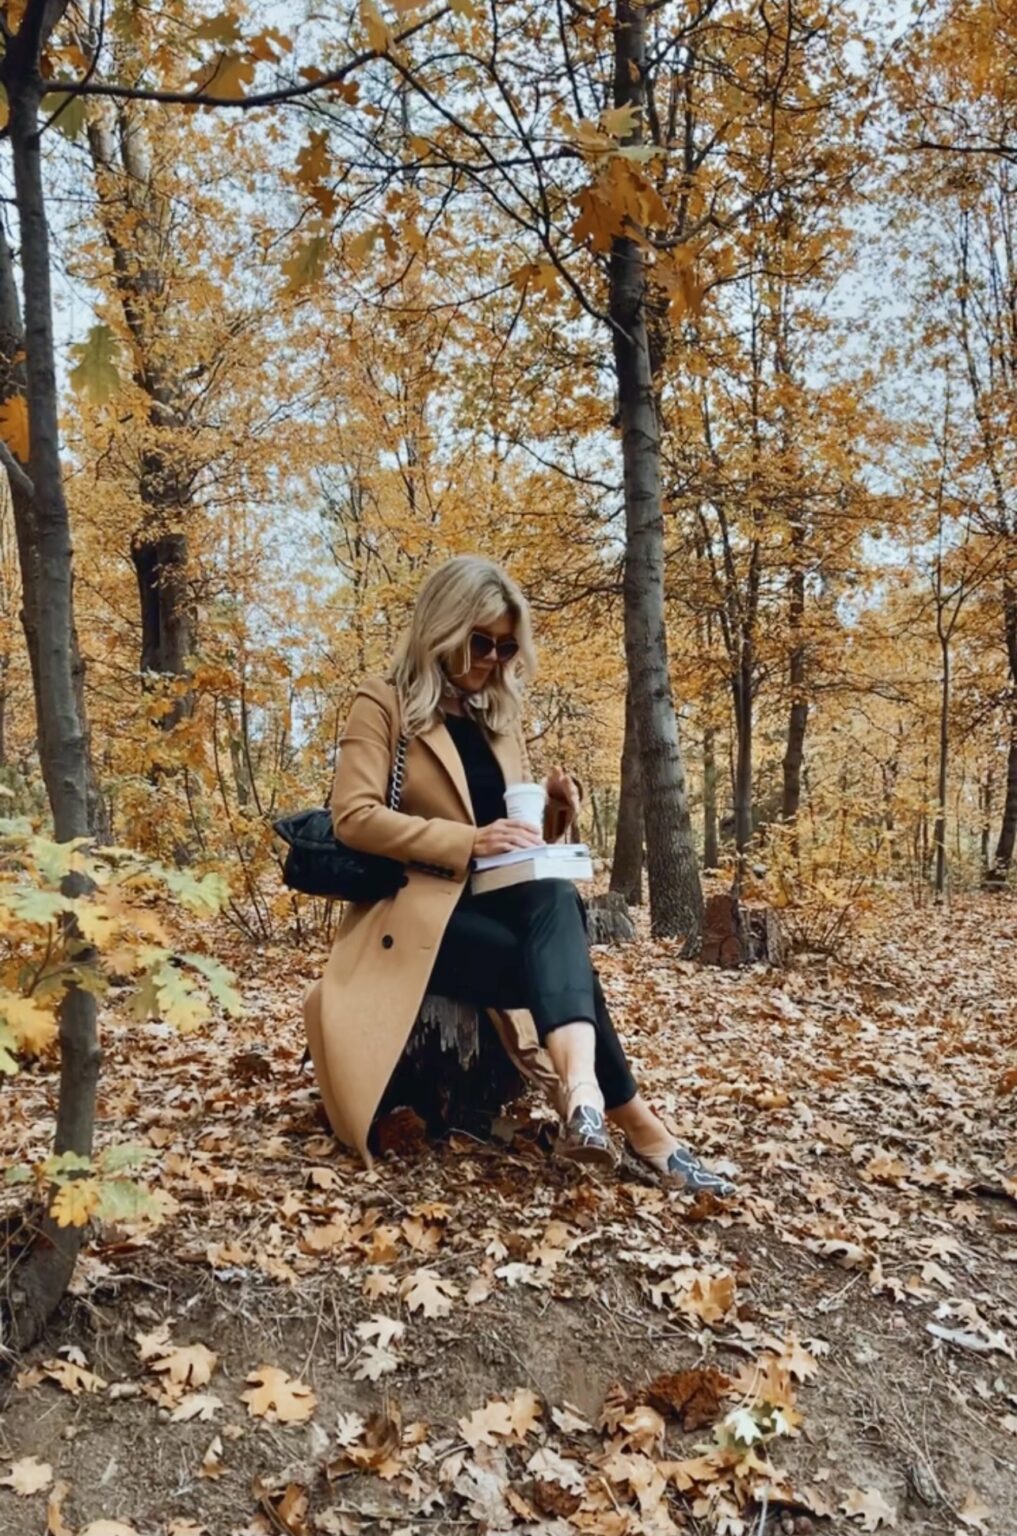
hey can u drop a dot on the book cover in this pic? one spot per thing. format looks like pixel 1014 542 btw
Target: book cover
pixel 557 861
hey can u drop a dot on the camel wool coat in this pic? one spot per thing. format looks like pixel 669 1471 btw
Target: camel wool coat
pixel 361 1013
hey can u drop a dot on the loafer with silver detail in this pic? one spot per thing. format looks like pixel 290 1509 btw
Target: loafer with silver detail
pixel 683 1171
pixel 584 1138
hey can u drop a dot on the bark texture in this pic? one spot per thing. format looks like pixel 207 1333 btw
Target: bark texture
pixel 137 221
pixel 676 900
pixel 627 863
pixel 41 1272
pixel 1003 856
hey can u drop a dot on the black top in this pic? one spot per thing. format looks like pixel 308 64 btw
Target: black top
pixel 483 771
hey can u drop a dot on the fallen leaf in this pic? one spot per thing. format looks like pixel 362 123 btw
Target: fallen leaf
pixel 374 1362
pixel 965 1338
pixel 692 1397
pixel 28 1476
pixel 550 1467
pixel 426 1291
pixel 871 1506
pixel 569 1421
pixel 55 1525
pixel 278 1397
pixel 197 1405
pixel 187 1365
pixel 349 1427
pixel 108 1528
pixel 73 1377
pixel 382 1330
pixel 485 1425
pixel 211 1463
pixel 524 1411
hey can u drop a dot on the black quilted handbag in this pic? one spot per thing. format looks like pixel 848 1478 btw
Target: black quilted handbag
pixel 318 864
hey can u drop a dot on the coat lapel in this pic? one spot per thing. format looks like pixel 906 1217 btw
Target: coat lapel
pixel 505 747
pixel 437 738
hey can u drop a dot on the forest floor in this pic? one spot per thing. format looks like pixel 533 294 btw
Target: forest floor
pixel 472 1337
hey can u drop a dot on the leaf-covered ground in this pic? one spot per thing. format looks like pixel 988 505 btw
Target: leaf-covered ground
pixel 472 1337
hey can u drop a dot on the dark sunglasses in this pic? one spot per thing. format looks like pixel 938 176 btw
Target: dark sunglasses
pixel 482 645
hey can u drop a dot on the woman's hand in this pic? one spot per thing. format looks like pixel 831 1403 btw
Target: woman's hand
pixel 504 836
pixel 561 787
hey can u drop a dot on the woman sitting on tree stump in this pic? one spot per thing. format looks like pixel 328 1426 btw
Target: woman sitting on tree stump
pixel 454 693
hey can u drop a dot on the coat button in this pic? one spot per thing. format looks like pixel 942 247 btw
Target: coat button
pixel 387 941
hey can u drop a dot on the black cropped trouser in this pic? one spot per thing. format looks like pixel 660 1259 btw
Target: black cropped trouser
pixel 525 947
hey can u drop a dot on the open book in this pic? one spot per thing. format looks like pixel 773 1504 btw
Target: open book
pixel 551 861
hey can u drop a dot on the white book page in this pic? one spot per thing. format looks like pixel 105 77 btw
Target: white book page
pixel 563 851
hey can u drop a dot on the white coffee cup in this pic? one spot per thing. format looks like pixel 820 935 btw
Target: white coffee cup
pixel 525 802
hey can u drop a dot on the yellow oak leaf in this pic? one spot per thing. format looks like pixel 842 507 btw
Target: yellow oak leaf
pixel 314 162
pixel 620 121
pixel 306 264
pixel 75 1202
pixel 28 1476
pixel 378 34
pixel 14 426
pixel 33 1027
pixel 233 73
pixel 278 1397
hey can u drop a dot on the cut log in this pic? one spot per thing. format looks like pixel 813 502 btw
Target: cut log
pixel 454 1073
pixel 735 933
pixel 609 920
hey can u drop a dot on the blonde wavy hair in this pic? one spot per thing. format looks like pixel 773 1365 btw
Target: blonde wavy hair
pixel 466 593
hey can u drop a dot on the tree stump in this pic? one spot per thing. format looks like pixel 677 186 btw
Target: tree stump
pixel 735 933
pixel 609 920
pixel 454 1072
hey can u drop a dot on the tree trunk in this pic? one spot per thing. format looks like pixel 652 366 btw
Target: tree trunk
pixel 43 1271
pixel 711 839
pixel 1003 856
pixel 676 898
pixel 26 532
pixel 627 863
pixel 939 831
pixel 453 1075
pixel 742 691
pixel 127 180
pixel 798 714
pixel 985 818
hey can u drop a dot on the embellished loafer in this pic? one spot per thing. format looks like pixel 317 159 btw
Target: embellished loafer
pixel 584 1138
pixel 684 1171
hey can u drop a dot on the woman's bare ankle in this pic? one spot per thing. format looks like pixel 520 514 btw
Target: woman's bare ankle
pixel 583 1091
